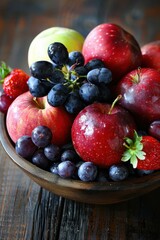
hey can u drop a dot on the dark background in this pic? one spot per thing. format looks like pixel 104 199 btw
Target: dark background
pixel 22 20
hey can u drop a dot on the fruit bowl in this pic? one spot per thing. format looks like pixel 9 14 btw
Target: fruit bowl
pixel 92 192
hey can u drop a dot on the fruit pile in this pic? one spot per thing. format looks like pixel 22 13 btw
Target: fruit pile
pixel 90 113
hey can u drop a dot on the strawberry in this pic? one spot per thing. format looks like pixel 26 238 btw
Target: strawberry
pixel 14 80
pixel 143 152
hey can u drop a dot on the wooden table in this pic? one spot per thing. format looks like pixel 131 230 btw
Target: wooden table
pixel 26 210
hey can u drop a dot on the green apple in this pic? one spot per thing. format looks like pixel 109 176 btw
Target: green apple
pixel 72 39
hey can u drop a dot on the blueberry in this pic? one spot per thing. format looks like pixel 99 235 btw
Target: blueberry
pixel 54 168
pixel 102 175
pixel 87 172
pixel 142 172
pixel 118 172
pixel 69 155
pixel 66 169
pixel 52 152
pixel 41 136
pixel 40 160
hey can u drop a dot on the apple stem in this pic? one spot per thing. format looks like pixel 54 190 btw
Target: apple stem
pixel 136 79
pixel 39 105
pixel 114 102
pixel 138 73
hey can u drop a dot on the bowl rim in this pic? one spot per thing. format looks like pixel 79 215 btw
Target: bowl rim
pixel 28 167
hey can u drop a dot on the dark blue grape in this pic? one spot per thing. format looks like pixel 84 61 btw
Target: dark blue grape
pixel 58 53
pixel 25 147
pixel 94 63
pixel 54 168
pixel 66 169
pixel 99 76
pixel 75 57
pixel 142 172
pixel 52 152
pixel 38 88
pixel 74 103
pixel 89 92
pixel 41 69
pixel 87 172
pixel 41 136
pixel 57 77
pixel 102 175
pixel 57 95
pixel 105 94
pixel 69 155
pixel 79 73
pixel 142 133
pixel 118 172
pixel 40 160
pixel 67 146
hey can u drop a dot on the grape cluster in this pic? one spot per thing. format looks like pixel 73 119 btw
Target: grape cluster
pixel 67 81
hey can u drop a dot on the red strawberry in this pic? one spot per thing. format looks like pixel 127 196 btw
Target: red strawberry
pixel 14 80
pixel 143 152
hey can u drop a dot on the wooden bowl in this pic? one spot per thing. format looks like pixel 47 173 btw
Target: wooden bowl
pixel 92 192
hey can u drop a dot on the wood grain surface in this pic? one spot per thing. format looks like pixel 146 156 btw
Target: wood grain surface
pixel 28 212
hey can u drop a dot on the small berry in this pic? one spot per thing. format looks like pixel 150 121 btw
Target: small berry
pixel 87 172
pixel 118 172
pixel 41 136
pixel 66 169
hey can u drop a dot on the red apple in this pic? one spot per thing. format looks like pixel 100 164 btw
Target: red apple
pixel 140 90
pixel 116 47
pixel 151 55
pixel 25 113
pixel 98 133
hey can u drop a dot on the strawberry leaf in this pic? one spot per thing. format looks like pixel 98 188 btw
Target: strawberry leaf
pixel 141 155
pixel 134 161
pixel 133 152
pixel 126 156
pixel 4 71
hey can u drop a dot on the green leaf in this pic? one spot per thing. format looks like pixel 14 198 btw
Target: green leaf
pixel 125 156
pixel 133 151
pixel 4 71
pixel 129 141
pixel 138 145
pixel 141 155
pixel 134 161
